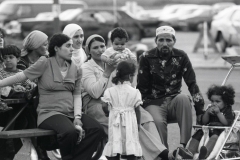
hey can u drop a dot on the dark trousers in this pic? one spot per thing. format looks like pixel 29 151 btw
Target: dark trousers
pixel 67 136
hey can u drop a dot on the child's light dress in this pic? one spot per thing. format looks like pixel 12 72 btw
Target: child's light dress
pixel 123 136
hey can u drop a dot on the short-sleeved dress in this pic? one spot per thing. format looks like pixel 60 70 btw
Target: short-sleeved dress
pixel 123 130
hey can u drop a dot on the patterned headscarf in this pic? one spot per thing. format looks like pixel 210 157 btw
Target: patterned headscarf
pixel 71 29
pixel 89 40
pixel 33 40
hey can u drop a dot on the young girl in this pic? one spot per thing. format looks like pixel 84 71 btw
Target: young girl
pixel 219 113
pixel 119 38
pixel 124 102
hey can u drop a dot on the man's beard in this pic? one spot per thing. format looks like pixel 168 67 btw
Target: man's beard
pixel 165 51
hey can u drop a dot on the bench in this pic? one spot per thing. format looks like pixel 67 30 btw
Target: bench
pixel 27 152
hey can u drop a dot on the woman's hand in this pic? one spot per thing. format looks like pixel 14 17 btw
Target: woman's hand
pixel 108 70
pixel 19 88
pixel 31 86
pixel 77 121
pixel 81 133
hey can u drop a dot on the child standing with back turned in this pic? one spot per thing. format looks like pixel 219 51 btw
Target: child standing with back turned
pixel 123 101
pixel 219 113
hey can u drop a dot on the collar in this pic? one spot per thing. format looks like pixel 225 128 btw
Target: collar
pixel 127 82
pixel 57 76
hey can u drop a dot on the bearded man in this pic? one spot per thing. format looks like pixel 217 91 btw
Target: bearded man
pixel 160 75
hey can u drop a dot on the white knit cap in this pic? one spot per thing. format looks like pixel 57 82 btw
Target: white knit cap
pixel 165 29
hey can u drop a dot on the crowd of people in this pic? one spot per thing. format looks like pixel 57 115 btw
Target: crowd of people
pixel 110 95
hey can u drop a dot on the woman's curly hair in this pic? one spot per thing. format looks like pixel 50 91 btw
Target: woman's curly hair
pixel 227 93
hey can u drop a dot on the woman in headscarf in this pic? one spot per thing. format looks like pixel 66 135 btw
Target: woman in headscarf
pixel 60 102
pixel 95 77
pixel 34 46
pixel 75 32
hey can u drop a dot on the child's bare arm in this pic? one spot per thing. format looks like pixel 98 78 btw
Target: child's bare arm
pixel 138 115
pixel 206 115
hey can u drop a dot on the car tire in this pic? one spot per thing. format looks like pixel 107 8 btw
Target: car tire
pixel 222 44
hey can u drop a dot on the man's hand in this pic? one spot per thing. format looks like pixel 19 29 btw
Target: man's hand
pixel 199 119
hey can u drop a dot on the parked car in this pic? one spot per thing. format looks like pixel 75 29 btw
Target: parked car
pixel 225 29
pixel 92 20
pixel 172 18
pixel 193 21
pixel 15 9
pixel 217 7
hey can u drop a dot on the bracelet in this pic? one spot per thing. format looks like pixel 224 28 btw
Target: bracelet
pixel 78 116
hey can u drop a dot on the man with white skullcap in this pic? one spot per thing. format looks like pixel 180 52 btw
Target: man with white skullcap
pixel 160 75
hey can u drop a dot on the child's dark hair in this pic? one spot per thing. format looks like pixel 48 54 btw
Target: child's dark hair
pixel 123 70
pixel 119 33
pixel 11 50
pixel 227 93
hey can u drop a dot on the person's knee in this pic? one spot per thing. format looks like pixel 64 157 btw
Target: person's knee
pixel 183 101
pixel 182 97
pixel 69 134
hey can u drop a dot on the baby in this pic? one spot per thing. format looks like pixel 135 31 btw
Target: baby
pixel 119 38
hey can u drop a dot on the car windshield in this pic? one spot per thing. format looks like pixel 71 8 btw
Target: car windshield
pixel 104 16
pixel 226 13
pixel 185 11
pixel 7 9
pixel 69 14
pixel 170 10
